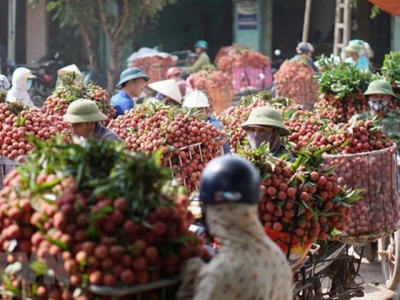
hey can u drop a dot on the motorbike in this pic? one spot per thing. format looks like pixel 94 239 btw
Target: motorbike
pixel 46 73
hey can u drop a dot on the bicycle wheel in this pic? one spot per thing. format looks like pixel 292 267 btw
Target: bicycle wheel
pixel 389 255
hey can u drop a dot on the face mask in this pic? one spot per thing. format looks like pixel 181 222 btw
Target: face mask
pixel 29 82
pixel 378 106
pixel 256 139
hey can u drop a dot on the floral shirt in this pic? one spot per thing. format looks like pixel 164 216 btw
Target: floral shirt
pixel 248 266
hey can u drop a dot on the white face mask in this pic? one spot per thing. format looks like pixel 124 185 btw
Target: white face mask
pixel 378 105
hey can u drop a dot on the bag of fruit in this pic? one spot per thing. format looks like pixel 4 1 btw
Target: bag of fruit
pixel 295 79
pixel 216 84
pixel 377 213
pixel 248 68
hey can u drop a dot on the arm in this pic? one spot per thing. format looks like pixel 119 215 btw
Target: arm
pixel 201 61
pixel 312 65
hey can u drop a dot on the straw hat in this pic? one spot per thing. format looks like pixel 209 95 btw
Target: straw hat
pixel 168 88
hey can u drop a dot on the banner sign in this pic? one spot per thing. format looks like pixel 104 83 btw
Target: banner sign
pixel 247 13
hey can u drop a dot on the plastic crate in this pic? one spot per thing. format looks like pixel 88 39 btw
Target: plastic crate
pixel 6 166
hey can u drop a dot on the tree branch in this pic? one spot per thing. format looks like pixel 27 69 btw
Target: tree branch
pixel 103 17
pixel 143 27
pixel 123 21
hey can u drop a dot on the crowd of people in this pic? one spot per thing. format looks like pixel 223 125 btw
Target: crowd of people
pixel 248 264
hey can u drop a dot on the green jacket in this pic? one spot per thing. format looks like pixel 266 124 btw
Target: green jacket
pixel 201 61
pixel 390 123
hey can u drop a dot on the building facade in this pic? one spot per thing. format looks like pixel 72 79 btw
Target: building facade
pixel 264 25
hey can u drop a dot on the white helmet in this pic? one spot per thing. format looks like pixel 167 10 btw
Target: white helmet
pixel 196 99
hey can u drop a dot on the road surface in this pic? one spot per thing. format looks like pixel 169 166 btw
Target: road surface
pixel 371 274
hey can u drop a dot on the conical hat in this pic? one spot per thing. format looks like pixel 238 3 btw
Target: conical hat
pixel 168 88
pixel 70 69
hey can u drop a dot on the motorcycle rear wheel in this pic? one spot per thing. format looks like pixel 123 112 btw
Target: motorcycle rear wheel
pixel 389 255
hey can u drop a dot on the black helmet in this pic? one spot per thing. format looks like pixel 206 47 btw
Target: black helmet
pixel 230 179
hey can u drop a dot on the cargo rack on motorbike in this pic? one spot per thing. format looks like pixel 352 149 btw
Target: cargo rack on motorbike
pixel 164 287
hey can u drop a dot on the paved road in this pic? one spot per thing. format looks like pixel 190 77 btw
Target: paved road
pixel 371 274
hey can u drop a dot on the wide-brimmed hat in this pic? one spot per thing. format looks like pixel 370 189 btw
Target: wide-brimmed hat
pixel 83 110
pixel 379 87
pixel 131 73
pixel 168 88
pixel 353 47
pixel 266 116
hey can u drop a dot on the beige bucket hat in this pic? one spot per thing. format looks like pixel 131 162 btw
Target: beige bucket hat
pixel 83 110
pixel 168 88
pixel 266 116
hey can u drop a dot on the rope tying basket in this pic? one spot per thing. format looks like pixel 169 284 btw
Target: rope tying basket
pixel 193 152
pixel 377 213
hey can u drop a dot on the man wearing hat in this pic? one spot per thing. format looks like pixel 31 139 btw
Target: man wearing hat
pixel 380 94
pixel 84 115
pixel 355 58
pixel 200 47
pixel 131 84
pixel 305 50
pixel 265 125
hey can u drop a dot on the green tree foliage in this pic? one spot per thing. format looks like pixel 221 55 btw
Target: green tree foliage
pixel 119 20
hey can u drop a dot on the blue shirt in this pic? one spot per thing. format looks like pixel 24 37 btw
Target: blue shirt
pixel 122 102
pixel 362 62
pixel 218 125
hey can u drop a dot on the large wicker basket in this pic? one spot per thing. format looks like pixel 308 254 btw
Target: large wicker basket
pixel 377 213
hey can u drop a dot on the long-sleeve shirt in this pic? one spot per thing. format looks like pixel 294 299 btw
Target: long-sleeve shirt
pixel 20 87
pixel 248 265
pixel 101 132
pixel 201 61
